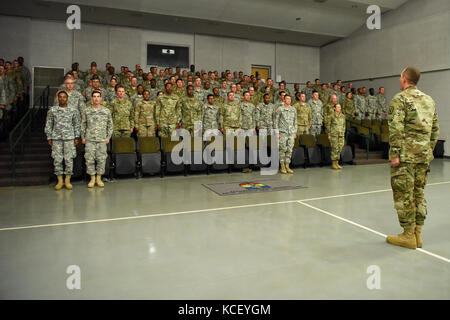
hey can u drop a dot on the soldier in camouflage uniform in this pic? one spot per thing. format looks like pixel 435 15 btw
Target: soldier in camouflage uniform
pixel 145 116
pixel 371 103
pixel 179 90
pixel 255 96
pixel 382 109
pixel 96 131
pixel 138 96
pixel 122 113
pixel 341 95
pixel 8 93
pixel 199 92
pixel 132 89
pixel 168 115
pixel 286 123
pixel 110 91
pixel 211 115
pixel 328 109
pixel 191 111
pixel 62 129
pixel 348 106
pixel 308 90
pixel 360 105
pixel 281 87
pixel 413 134
pixel 95 86
pixel 249 113
pixel 324 95
pixel 3 97
pixel 316 114
pixel 304 116
pixel 266 114
pixel 223 91
pixel 218 99
pixel 231 115
pixel 335 126
pixel 317 85
pixel 75 98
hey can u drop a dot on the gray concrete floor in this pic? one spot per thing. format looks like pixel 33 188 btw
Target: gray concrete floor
pixel 172 238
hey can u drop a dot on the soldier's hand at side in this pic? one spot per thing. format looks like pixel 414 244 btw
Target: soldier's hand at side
pixel 83 141
pixel 2 107
pixel 107 141
pixel 158 127
pixel 295 136
pixel 278 136
pixel 131 130
pixel 50 142
pixel 329 138
pixel 75 141
pixel 395 162
pixel 221 130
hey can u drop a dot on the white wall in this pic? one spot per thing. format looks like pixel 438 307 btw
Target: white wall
pixel 416 34
pixel 50 43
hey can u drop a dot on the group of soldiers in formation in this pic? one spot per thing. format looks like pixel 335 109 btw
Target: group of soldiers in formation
pixel 97 105
pixel 15 82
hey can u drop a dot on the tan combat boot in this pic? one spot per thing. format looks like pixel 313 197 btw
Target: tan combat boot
pixel 91 183
pixel 406 239
pixel 282 168
pixel 99 181
pixel 289 170
pixel 418 233
pixel 333 165
pixel 60 183
pixel 337 165
pixel 67 182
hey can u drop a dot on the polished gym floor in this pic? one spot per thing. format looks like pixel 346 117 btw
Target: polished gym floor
pixel 172 238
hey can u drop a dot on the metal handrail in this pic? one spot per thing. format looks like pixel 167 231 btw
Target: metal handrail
pixel 23 127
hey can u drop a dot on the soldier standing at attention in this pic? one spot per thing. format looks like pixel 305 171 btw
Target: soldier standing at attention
pixel 348 106
pixel 308 91
pixel 304 116
pixel 249 114
pixel 122 114
pixel 145 116
pixel 371 102
pixel 360 105
pixel 211 115
pixel 191 110
pixel 286 123
pixel 382 108
pixel 413 134
pixel 335 125
pixel 316 114
pixel 231 115
pixel 266 114
pixel 62 128
pixel 168 115
pixel 96 130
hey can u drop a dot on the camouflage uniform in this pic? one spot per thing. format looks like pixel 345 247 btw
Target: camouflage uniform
pixel 328 111
pixel 62 127
pixel 266 116
pixel 308 92
pixel 96 127
pixel 200 94
pixel 131 91
pixel 304 117
pixel 371 105
pixel 168 115
pixel 360 107
pixel 413 134
pixel 286 123
pixel 110 94
pixel 211 117
pixel 89 90
pixel 336 130
pixel 135 99
pixel 249 116
pixel 75 100
pixel 191 112
pixel 180 92
pixel 3 95
pixel 122 113
pixel 324 96
pixel 382 107
pixel 348 108
pixel 316 116
pixel 145 118
pixel 231 116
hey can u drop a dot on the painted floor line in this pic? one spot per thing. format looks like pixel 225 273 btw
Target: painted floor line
pixel 198 210
pixel 370 230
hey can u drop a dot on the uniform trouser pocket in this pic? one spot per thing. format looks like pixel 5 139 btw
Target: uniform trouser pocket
pixel 402 183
